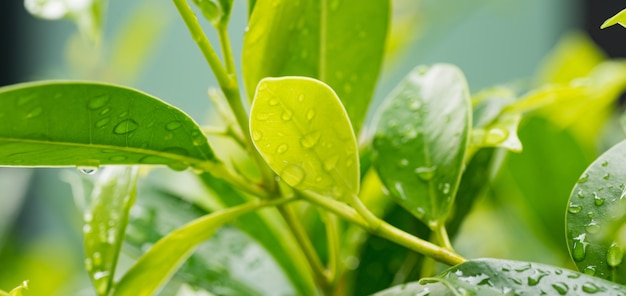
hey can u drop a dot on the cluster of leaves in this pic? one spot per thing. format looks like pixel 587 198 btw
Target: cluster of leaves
pixel 431 147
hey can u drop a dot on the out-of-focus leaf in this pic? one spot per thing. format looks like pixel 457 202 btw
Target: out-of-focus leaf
pixel 619 18
pixel 157 265
pixel 18 291
pixel 303 132
pixel 501 133
pixel 87 14
pixel 91 124
pixel 421 139
pixel 216 11
pixel 338 42
pixel 596 215
pixel 492 125
pixel 505 277
pixel 105 223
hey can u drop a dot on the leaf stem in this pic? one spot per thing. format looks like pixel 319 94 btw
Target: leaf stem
pixel 441 235
pixel 385 230
pixel 227 52
pixel 334 247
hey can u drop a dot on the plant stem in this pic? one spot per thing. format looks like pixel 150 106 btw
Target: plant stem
pixel 305 244
pixel 385 230
pixel 334 247
pixel 227 52
pixel 441 235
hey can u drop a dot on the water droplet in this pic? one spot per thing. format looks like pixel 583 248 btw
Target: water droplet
pixel 590 270
pixel 35 112
pixel 420 213
pixel 524 267
pixel 592 227
pixel 403 163
pixel 257 135
pixel 273 102
pixel 263 116
pixel 103 122
pixel 591 288
pixel 534 279
pixel 445 188
pixel 583 179
pixel 580 193
pixel 425 173
pixel 125 127
pixel 97 258
pixel 105 111
pixel 615 255
pixel 287 115
pixel 310 114
pixel 606 176
pixel 311 139
pixel 98 102
pixel 574 208
pixel 173 125
pixel 178 166
pixel 292 175
pixel 331 163
pixel 282 148
pixel 560 288
pixel 605 163
pixel 496 136
pixel 88 170
pixel 578 251
pixel 598 200
pixel 118 158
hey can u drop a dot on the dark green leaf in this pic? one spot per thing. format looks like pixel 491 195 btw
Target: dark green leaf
pixel 92 124
pixel 505 277
pixel 302 131
pixel 338 42
pixel 105 223
pixel 596 214
pixel 421 139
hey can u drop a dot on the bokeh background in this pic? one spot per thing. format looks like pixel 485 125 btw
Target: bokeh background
pixel 493 42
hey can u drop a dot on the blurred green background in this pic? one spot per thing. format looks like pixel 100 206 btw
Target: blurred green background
pixel 492 41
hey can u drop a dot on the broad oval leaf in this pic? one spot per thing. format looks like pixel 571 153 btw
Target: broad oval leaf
pixel 596 216
pixel 157 265
pixel 302 131
pixel 105 223
pixel 92 124
pixel 505 277
pixel 339 42
pixel 421 139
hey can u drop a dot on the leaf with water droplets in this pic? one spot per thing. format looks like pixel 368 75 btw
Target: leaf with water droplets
pixel 105 223
pixel 505 277
pixel 432 138
pixel 596 214
pixel 339 42
pixel 92 124
pixel 301 149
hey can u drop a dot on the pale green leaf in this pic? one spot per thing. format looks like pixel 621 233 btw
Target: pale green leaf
pixel 596 217
pixel 91 124
pixel 501 133
pixel 505 277
pixel 216 11
pixel 492 125
pixel 303 132
pixel 338 42
pixel 87 14
pixel 105 223
pixel 18 291
pixel 157 265
pixel 421 138
pixel 619 18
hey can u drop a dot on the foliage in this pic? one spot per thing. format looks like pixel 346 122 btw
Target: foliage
pixel 299 202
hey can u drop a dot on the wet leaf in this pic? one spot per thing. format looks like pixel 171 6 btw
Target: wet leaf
pixel 505 277
pixel 596 217
pixel 339 42
pixel 302 131
pixel 90 124
pixel 105 223
pixel 421 139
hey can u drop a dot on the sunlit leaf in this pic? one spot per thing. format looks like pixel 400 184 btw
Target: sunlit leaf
pixel 338 42
pixel 158 264
pixel 506 277
pixel 596 215
pixel 105 223
pixel 216 11
pixel 302 131
pixel 619 18
pixel 87 14
pixel 18 291
pixel 421 139
pixel 92 124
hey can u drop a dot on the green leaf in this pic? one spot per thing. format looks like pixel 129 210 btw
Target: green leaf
pixel 492 125
pixel 338 42
pixel 619 18
pixel 18 291
pixel 87 14
pixel 505 277
pixel 105 223
pixel 421 139
pixel 596 215
pixel 302 131
pixel 157 265
pixel 91 124
pixel 216 11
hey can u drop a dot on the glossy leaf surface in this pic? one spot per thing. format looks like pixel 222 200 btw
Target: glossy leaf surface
pixel 302 131
pixel 505 277
pixel 92 124
pixel 596 216
pixel 157 265
pixel 105 223
pixel 421 139
pixel 338 42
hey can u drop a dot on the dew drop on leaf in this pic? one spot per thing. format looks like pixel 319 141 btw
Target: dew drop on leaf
pixel 331 163
pixel 590 270
pixel 590 288
pixel 560 288
pixel 310 114
pixel 598 200
pixel 606 176
pixel 578 251
pixel 178 166
pixel 574 208
pixel 273 102
pixel 125 127
pixel 615 255
pixel 403 163
pixel 173 125
pixel 605 163
pixel 98 102
pixel 103 122
pixel 425 173
pixel 88 170
pixel 35 112
pixel 496 136
pixel 311 139
pixel 287 115
pixel 292 175
pixel 282 148
pixel 583 179
pixel 257 135
pixel 592 227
